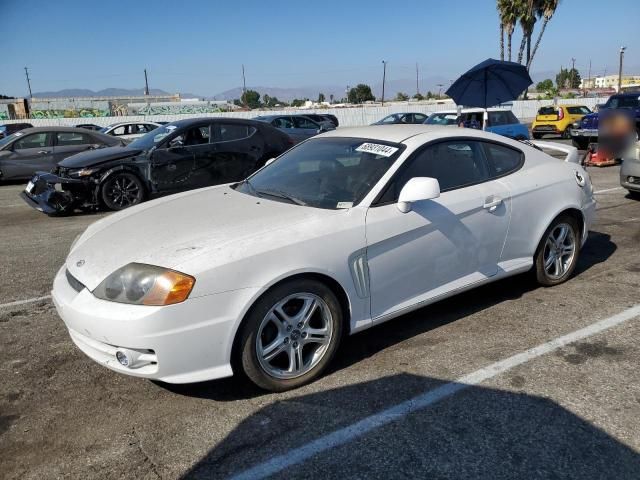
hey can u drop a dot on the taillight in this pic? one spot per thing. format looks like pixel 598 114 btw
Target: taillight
pixel 560 114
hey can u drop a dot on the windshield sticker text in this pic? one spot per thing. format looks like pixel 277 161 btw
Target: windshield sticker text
pixel 377 149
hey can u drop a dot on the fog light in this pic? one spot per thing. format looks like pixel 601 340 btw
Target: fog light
pixel 122 358
pixel 631 179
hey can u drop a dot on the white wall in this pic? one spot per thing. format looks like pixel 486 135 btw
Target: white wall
pixel 525 110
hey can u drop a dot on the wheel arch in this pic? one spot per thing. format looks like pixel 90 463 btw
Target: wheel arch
pixel 322 277
pixel 104 176
pixel 572 212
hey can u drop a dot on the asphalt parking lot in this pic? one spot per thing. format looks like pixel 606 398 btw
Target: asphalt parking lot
pixel 572 412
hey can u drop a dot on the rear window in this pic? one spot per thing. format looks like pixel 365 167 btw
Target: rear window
pixel 548 111
pixel 442 119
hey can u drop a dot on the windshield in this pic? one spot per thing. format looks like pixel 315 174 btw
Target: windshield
pixel 442 119
pixel 330 173
pixel 8 139
pixel 623 102
pixel 153 138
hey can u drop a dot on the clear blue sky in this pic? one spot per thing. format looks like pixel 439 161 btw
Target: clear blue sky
pixel 198 46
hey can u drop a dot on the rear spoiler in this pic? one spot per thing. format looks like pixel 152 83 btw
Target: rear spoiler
pixel 570 152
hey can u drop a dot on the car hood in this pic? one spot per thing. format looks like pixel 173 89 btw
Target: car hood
pixel 100 155
pixel 173 230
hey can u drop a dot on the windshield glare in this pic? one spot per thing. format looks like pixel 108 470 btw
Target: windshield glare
pixel 153 138
pixel 330 173
pixel 442 119
pixel 8 139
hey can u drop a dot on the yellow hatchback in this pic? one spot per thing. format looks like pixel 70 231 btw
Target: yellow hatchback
pixel 557 120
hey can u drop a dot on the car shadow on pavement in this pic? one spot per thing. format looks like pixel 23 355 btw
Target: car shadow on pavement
pixel 357 348
pixel 478 432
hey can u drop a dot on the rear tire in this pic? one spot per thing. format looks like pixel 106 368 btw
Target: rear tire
pixel 557 254
pixel 566 135
pixel 536 136
pixel 122 190
pixel 290 335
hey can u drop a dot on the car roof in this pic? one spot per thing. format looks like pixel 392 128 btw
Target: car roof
pixel 196 121
pixel 54 129
pixel 131 123
pixel 473 110
pixel 389 133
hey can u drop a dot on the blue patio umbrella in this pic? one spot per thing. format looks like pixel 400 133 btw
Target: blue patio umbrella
pixel 490 83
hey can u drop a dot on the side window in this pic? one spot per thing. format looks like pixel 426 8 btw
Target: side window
pixel 512 119
pixel 228 132
pixel 455 164
pixel 195 136
pixel 302 122
pixel 503 160
pixel 390 119
pixel 283 122
pixel 36 140
pixel 419 118
pixel 66 139
pixel 147 127
pixel 121 130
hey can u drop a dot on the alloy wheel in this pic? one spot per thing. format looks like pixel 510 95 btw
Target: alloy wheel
pixel 294 336
pixel 559 251
pixel 124 192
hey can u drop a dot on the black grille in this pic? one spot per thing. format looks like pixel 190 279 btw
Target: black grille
pixel 74 282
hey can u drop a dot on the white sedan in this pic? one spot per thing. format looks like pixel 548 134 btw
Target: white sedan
pixel 344 231
pixel 129 130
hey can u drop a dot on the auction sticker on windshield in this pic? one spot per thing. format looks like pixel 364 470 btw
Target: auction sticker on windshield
pixel 377 149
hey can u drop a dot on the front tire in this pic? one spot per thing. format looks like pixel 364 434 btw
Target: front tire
pixel 122 190
pixel 290 335
pixel 557 255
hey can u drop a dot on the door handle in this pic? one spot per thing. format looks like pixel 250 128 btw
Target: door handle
pixel 43 152
pixel 492 203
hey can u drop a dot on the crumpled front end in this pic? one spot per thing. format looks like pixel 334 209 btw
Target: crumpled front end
pixel 55 194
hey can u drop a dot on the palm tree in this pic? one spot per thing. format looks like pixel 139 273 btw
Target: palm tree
pixel 508 11
pixel 527 22
pixel 545 9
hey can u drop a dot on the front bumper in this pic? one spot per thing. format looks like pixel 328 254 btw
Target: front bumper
pixel 52 194
pixel 584 132
pixel 630 170
pixel 182 343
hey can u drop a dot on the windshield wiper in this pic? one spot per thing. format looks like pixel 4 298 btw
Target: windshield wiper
pixel 251 187
pixel 281 194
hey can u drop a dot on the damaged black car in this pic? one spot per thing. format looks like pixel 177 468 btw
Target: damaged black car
pixel 180 156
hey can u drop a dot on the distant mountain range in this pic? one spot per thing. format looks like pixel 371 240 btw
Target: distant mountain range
pixel 392 87
pixel 108 92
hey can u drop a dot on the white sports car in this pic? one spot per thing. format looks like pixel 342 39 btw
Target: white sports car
pixel 346 230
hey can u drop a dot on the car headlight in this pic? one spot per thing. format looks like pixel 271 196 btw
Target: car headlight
pixel 83 172
pixel 141 284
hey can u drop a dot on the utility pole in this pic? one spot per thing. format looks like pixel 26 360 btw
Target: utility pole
pixel 146 83
pixel 417 85
pixel 26 71
pixel 346 92
pixel 439 85
pixel 573 72
pixel 384 76
pixel 588 85
pixel 244 88
pixel 622 49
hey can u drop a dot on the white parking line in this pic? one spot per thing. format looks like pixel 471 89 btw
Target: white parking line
pixel 23 302
pixel 351 432
pixel 608 190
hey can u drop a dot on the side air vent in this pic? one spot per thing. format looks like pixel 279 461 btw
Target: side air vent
pixel 360 273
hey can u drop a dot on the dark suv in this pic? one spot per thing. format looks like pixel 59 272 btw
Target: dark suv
pixel 585 131
pixel 9 128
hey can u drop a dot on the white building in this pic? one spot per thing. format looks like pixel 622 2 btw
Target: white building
pixel 611 81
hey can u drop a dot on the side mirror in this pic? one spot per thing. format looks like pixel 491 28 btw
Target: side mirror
pixel 416 189
pixel 269 162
